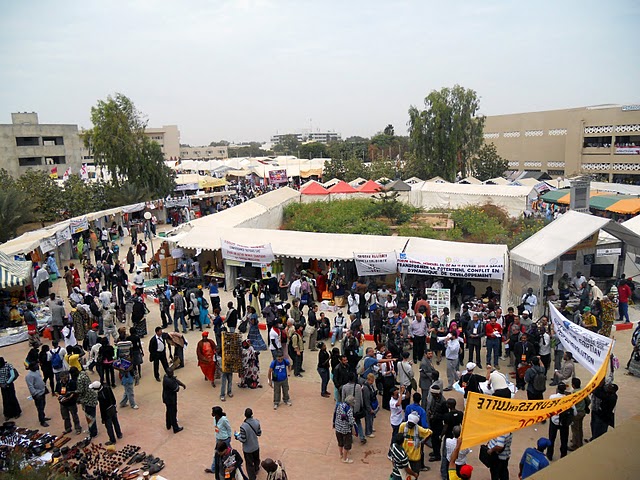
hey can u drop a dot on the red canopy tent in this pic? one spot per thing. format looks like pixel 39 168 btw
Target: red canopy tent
pixel 314 188
pixel 342 187
pixel 369 187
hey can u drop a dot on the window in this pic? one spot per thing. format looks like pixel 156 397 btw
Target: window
pixel 30 161
pixel 597 142
pixel 51 141
pixel 58 160
pixel 27 141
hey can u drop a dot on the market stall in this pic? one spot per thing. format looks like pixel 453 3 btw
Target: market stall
pixel 568 245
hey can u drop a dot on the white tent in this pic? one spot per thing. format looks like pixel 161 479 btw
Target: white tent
pixel 538 255
pixel 428 195
pixel 496 181
pixel 470 181
pixel 412 180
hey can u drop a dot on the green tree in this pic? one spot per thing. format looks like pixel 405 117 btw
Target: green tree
pixel 389 130
pixel 15 211
pixel 251 149
pixel 488 164
pixel 119 144
pixel 354 168
pixel 80 197
pixel 313 150
pixel 288 145
pixel 221 143
pixel 44 195
pixel 382 167
pixel 6 180
pixel 446 135
pixel 127 194
pixel 334 169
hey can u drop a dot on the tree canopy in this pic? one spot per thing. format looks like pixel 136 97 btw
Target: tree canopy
pixel 446 135
pixel 488 164
pixel 119 145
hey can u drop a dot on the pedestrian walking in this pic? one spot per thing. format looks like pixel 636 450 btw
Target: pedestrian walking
pixel 278 376
pixel 170 387
pixel 248 436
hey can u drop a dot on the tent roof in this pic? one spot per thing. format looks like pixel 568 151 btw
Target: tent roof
pixel 529 182
pixel 616 188
pixel 471 180
pixel 369 187
pixel 331 183
pixel 398 186
pixel 313 188
pixel 565 233
pixel 413 180
pixel 436 180
pixel 462 188
pixel 626 206
pixel 13 273
pixel 342 187
pixel 334 246
pixel 554 196
pixel 497 181
pixel 357 182
pixel 633 224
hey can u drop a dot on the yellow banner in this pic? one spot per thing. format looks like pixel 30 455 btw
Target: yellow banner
pixel 487 417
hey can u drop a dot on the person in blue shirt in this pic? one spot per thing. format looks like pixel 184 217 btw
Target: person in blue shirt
pixel 417 409
pixel 533 459
pixel 278 376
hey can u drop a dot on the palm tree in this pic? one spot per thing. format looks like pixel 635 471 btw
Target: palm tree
pixel 126 194
pixel 15 211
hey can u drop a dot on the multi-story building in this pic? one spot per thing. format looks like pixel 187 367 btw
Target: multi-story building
pixel 204 153
pixel 168 137
pixel 26 143
pixel 322 137
pixel 602 140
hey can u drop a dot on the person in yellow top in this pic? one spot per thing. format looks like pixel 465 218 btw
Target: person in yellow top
pixel 73 357
pixel 414 437
pixel 465 471
pixel 589 320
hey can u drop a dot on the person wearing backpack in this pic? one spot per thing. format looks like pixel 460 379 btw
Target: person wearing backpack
pixel 536 380
pixel 560 423
pixel 56 357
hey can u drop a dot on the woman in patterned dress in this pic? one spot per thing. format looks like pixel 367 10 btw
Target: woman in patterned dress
pixel 609 305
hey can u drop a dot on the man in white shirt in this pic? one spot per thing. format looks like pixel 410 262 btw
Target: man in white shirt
pixel 395 406
pixel 340 322
pixel 451 443
pixel 138 279
pixel 158 352
pixel 578 283
pixel 452 353
pixel 294 288
pixel 275 342
pixel 560 423
pixel 105 297
pixel 529 300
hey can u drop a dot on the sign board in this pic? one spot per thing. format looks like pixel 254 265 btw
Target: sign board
pixel 176 202
pixel 63 236
pixel 607 252
pixel 48 244
pixel 438 298
pixel 77 225
pixel 627 150
pixel 368 264
pixel 187 186
pixel 487 268
pixel 261 254
pixel 277 177
pixel 580 195
pixel 630 108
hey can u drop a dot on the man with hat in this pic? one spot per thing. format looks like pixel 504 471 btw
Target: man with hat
pixel 533 459
pixel 206 352
pixel 108 411
pixel 170 387
pixel 414 437
pixel 436 411
pixel 462 473
pixel 470 381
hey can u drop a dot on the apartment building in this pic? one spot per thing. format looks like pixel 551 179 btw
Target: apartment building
pixel 204 153
pixel 601 140
pixel 27 143
pixel 168 137
pixel 302 137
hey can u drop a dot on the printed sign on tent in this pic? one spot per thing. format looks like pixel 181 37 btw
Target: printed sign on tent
pixel 375 263
pixel 78 225
pixel 277 177
pixel 486 416
pixel 262 254
pixel 63 236
pixel 489 268
pixel 48 244
pixel 587 347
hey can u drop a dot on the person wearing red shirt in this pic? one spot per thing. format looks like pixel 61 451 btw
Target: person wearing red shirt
pixel 624 292
pixel 493 332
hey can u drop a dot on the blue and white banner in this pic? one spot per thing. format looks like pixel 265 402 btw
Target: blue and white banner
pixel 587 347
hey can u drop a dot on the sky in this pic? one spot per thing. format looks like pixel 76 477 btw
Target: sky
pixel 247 69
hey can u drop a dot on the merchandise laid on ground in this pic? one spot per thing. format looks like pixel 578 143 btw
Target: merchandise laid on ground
pixel 84 459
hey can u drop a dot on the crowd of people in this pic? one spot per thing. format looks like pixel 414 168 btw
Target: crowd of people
pixel 104 329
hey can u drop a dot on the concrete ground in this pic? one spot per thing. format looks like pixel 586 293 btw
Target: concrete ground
pixel 301 435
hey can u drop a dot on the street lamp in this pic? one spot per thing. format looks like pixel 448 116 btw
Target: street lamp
pixel 147 217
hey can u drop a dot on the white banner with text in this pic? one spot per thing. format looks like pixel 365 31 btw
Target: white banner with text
pixel 437 266
pixel 368 264
pixel 261 254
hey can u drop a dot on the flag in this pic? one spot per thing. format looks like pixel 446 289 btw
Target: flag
pixel 54 173
pixel 65 177
pixel 84 174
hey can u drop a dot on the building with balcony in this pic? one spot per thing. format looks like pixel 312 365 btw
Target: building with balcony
pixel 321 137
pixel 602 140
pixel 27 143
pixel 168 137
pixel 204 153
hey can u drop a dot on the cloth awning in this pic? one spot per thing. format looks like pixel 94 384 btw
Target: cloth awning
pixel 556 197
pixel 564 234
pixel 212 182
pixel 628 206
pixel 342 187
pixel 398 186
pixel 13 273
pixel 314 188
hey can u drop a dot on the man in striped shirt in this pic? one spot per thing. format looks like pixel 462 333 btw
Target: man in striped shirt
pixel 399 459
